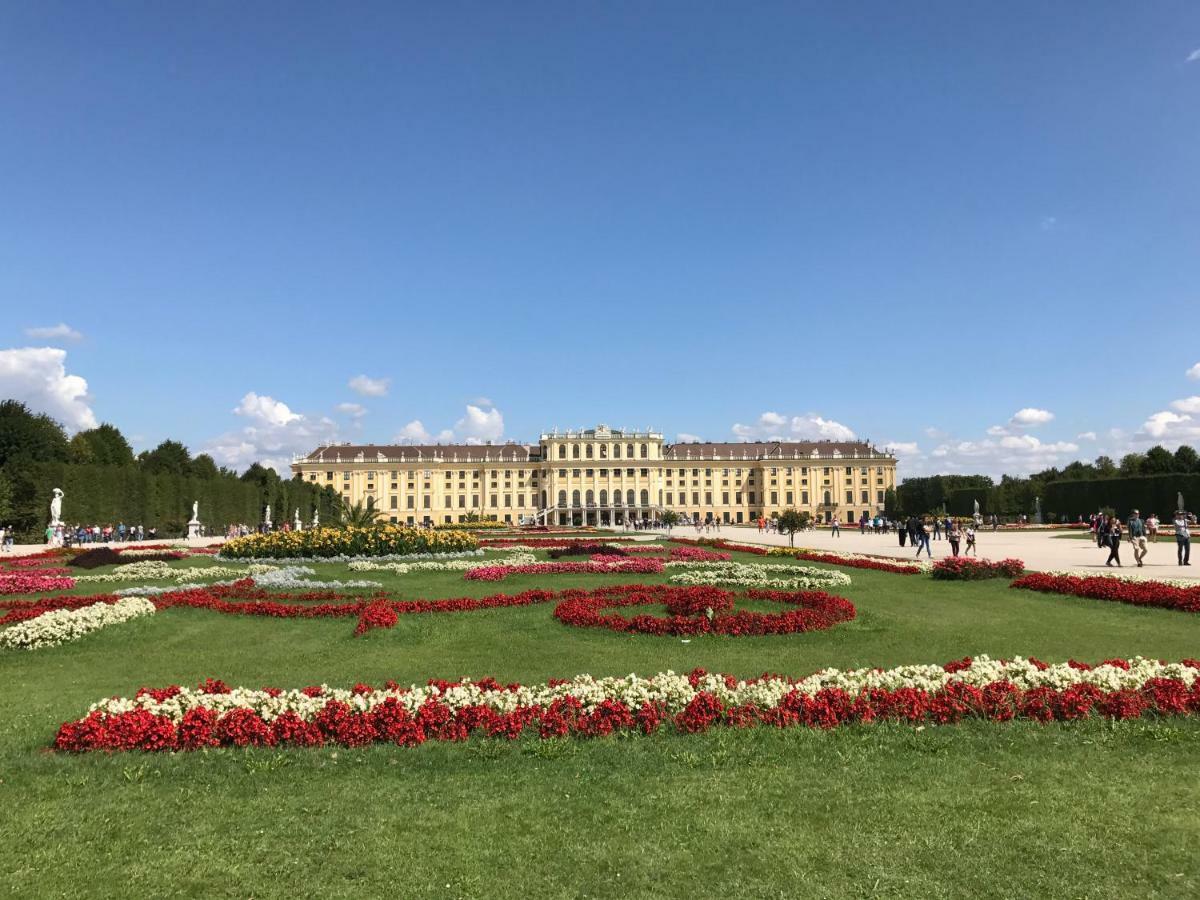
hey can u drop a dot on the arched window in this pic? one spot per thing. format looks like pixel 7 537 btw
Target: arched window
pixel 644 451
pixel 629 498
pixel 588 451
pixel 604 498
pixel 616 498
pixel 604 451
pixel 616 451
pixel 575 451
pixel 562 451
pixel 562 498
pixel 574 498
pixel 827 498
pixel 645 498
pixel 544 499
pixel 629 451
pixel 591 499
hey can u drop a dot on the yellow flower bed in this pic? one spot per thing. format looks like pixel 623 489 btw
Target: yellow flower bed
pixel 377 540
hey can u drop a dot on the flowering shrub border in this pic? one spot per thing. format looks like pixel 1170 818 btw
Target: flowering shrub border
pixel 1118 590
pixel 323 543
pixel 216 715
pixel 54 627
pixel 965 568
pixel 701 610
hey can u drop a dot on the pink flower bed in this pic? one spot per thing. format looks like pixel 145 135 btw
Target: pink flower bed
pixel 617 565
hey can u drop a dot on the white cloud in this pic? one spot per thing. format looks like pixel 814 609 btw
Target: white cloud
pixel 684 438
pixel 480 424
pixel 1086 436
pixel 1187 405
pixel 1194 372
pixel 998 431
pixel 1030 417
pixel 1171 427
pixel 273 435
pixel 935 434
pixel 370 387
pixel 38 376
pixel 265 410
pixel 61 331
pixel 771 426
pixel 1048 222
pixel 903 448
pixel 1194 55
pixel 355 410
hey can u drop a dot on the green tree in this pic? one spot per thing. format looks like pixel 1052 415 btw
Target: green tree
pixel 1186 459
pixel 6 499
pixel 203 466
pixel 105 446
pixel 670 518
pixel 1105 467
pixel 1159 461
pixel 791 521
pixel 25 435
pixel 1133 464
pixel 891 505
pixel 168 458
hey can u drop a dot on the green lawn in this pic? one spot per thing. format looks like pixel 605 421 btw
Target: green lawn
pixel 1090 810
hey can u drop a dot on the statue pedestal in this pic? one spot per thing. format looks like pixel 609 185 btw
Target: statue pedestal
pixel 193 529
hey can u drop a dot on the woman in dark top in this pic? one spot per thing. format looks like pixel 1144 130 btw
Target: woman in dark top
pixel 1114 541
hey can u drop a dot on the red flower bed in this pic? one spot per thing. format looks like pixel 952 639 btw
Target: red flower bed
pixel 878 564
pixel 690 611
pixel 698 554
pixel 612 565
pixel 1137 593
pixel 384 718
pixel 545 543
pixel 720 544
pixel 580 548
pixel 22 610
pixel 33 583
pixel 965 568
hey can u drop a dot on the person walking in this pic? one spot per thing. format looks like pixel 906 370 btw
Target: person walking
pixel 923 538
pixel 1102 532
pixel 937 528
pixel 954 536
pixel 1183 538
pixel 1137 537
pixel 971 548
pixel 836 527
pixel 1114 541
pixel 1152 527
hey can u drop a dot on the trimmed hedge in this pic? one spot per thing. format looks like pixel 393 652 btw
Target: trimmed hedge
pixel 1148 493
pixel 99 495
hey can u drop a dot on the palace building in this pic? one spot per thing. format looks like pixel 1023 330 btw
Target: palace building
pixel 602 476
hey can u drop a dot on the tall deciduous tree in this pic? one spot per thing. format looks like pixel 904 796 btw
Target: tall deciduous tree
pixel 25 435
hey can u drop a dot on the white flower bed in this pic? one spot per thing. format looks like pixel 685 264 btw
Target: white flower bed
pixel 674 691
pixel 156 570
pixel 61 625
pixel 286 578
pixel 450 565
pixel 786 578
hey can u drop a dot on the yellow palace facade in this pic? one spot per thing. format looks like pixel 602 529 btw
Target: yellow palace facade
pixel 602 476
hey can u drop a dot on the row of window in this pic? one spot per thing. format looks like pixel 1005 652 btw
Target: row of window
pixel 590 451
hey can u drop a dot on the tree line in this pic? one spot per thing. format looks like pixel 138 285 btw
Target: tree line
pixel 1139 480
pixel 106 483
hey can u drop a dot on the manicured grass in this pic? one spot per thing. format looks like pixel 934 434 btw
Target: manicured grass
pixel 1095 809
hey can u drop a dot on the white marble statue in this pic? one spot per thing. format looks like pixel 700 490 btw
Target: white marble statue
pixel 267 515
pixel 296 521
pixel 316 518
pixel 195 512
pixel 56 507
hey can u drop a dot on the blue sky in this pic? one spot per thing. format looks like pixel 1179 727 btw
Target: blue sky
pixel 905 223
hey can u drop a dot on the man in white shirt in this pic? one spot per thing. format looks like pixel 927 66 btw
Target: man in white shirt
pixel 1183 538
